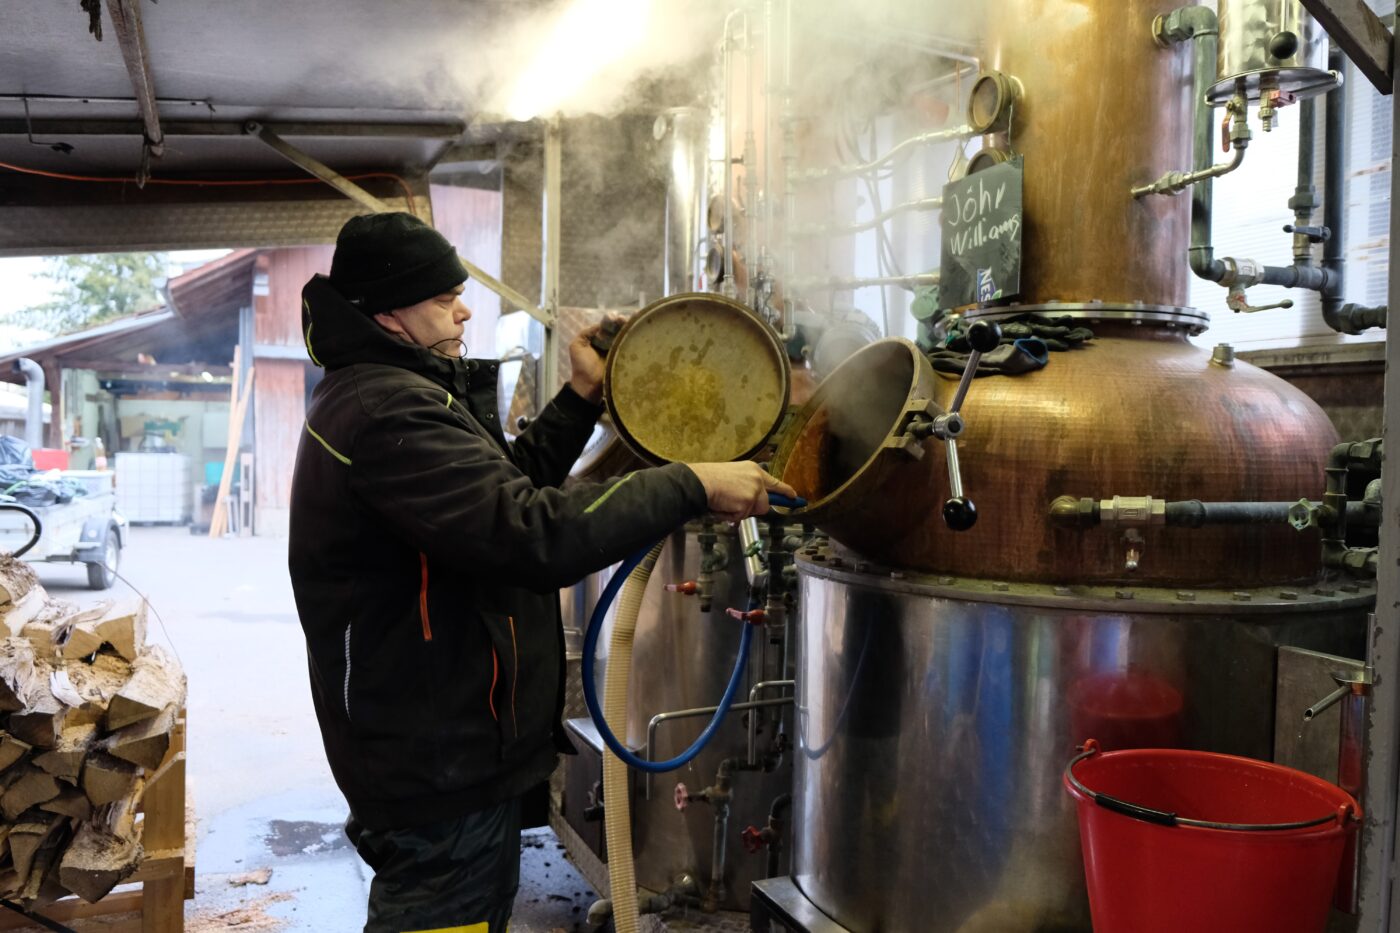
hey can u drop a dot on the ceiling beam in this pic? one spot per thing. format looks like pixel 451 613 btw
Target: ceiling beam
pixel 126 18
pixel 1361 35
pixel 76 127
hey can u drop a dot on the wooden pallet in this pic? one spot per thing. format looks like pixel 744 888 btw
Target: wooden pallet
pixel 155 895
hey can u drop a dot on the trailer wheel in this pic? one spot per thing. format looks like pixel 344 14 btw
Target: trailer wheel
pixel 103 573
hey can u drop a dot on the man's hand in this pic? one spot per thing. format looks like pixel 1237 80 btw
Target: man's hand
pixel 587 367
pixel 738 490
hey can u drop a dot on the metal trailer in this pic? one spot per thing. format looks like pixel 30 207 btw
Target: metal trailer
pixel 86 529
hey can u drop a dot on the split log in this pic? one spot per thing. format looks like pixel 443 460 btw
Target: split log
pixel 34 788
pixel 70 802
pixel 16 673
pixel 11 750
pixel 80 640
pixel 21 615
pixel 124 628
pixel 28 836
pixel 16 579
pixel 156 684
pixel 101 856
pixel 40 723
pixel 96 682
pixel 43 887
pixel 144 743
pixel 65 760
pixel 106 779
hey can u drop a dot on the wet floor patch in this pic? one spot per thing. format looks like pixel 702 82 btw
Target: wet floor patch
pixel 553 896
pixel 287 838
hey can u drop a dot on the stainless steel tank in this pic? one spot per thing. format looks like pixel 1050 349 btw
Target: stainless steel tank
pixel 682 134
pixel 682 659
pixel 935 714
pixel 1270 46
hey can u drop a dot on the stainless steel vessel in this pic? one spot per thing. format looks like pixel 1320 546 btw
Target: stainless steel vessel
pixel 934 716
pixel 682 659
pixel 1270 46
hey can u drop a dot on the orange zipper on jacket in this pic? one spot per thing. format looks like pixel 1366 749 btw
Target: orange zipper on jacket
pixel 423 600
pixel 495 677
pixel 515 676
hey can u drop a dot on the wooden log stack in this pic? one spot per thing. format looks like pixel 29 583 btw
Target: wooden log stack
pixel 87 711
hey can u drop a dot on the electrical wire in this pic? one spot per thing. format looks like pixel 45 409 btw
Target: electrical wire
pixel 40 919
pixel 212 182
pixel 151 606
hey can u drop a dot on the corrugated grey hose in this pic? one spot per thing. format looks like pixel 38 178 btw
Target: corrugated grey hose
pixel 617 804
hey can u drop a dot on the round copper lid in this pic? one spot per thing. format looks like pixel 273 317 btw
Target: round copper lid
pixel 696 378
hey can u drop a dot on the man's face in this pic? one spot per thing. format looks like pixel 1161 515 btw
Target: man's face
pixel 435 324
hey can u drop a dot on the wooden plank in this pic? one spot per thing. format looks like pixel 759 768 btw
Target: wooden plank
pixel 74 908
pixel 219 523
pixel 164 803
pixel 164 864
pixel 163 910
pixel 1361 35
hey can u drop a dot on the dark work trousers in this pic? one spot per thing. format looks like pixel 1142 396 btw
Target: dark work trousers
pixel 459 876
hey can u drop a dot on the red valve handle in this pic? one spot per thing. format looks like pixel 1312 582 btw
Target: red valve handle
pixel 688 588
pixel 752 838
pixel 751 616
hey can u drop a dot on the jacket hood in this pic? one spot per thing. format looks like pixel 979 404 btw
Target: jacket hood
pixel 338 334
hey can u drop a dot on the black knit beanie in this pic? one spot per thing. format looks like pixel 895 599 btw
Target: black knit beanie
pixel 393 260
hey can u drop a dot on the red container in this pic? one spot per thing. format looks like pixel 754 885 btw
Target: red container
pixel 1149 871
pixel 50 458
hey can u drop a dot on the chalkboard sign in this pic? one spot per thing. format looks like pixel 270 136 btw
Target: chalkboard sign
pixel 982 237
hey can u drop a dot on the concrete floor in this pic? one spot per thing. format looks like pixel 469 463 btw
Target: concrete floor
pixel 256 771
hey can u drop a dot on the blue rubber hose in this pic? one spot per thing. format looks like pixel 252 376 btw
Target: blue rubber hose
pixel 590 650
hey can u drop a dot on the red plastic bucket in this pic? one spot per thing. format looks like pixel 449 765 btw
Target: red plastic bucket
pixel 1178 841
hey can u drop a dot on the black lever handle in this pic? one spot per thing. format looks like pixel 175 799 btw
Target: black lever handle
pixel 984 336
pixel 959 513
pixel 1314 234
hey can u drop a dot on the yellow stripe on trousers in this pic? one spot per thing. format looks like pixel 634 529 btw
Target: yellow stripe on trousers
pixel 474 928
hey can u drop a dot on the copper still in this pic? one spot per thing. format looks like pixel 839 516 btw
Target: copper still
pixel 943 678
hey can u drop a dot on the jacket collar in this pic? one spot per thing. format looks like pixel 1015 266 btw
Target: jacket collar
pixel 338 334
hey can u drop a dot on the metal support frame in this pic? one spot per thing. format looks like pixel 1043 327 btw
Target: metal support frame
pixel 1362 36
pixel 65 126
pixel 315 167
pixel 126 19
pixel 359 195
pixel 1378 904
pixel 550 241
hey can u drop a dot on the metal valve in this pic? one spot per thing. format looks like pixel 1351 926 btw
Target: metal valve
pixel 754 840
pixel 1314 234
pixel 1238 301
pixel 688 588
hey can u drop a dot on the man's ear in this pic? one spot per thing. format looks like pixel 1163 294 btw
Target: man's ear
pixel 391 324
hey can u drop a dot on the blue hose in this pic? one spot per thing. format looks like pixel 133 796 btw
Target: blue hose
pixel 590 650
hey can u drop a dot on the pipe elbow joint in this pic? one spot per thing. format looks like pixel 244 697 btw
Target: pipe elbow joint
pixel 1205 265
pixel 1183 24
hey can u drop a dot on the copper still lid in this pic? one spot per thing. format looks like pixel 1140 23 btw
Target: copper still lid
pixel 696 378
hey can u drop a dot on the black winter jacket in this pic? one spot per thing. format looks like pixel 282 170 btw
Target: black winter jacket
pixel 426 555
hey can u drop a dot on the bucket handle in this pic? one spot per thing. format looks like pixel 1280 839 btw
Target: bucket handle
pixel 1163 818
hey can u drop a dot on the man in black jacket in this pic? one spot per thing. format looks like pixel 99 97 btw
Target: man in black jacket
pixel 426 555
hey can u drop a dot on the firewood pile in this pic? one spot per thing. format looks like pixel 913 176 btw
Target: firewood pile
pixel 87 710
